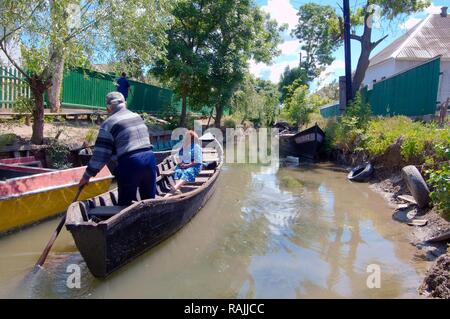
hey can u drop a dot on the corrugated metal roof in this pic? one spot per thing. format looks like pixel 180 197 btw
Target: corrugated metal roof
pixel 428 39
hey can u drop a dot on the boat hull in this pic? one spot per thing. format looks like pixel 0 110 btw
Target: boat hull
pixel 30 204
pixel 304 145
pixel 134 229
pixel 121 242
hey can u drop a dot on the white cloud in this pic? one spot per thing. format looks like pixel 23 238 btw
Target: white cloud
pixel 433 9
pixel 416 18
pixel 411 22
pixel 274 70
pixel 329 74
pixel 289 47
pixel 282 11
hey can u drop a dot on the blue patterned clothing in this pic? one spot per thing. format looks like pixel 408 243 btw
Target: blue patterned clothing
pixel 194 154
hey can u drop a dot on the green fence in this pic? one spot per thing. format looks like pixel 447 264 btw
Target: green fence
pixel 12 86
pixel 87 89
pixel 411 93
pixel 82 88
pixel 330 110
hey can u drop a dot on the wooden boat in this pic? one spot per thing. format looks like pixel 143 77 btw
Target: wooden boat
pixel 29 194
pixel 24 161
pixel 304 145
pixel 109 236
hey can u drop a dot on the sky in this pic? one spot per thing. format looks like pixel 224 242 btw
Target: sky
pixel 284 11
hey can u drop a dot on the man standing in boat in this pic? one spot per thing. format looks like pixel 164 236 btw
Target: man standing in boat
pixel 125 135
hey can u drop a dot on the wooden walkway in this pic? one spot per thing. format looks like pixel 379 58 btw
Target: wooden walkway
pixel 69 115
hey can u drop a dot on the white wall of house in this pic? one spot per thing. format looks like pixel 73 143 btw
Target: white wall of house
pixel 444 84
pixel 377 72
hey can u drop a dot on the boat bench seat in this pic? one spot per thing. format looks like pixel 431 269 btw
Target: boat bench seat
pixel 105 211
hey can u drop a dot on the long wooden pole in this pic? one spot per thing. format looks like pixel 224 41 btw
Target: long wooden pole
pixel 55 234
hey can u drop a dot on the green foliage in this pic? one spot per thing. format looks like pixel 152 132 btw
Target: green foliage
pixel 439 180
pixel 23 104
pixel 210 44
pixel 329 91
pixel 289 76
pixel 58 154
pixel 421 142
pixel 358 111
pixel 255 100
pixel 7 139
pixel 318 32
pixel 347 133
pixel 298 107
pixel 91 135
pixel 318 100
pixel 229 122
pixel 143 39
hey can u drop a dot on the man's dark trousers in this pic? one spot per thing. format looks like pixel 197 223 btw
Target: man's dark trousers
pixel 136 169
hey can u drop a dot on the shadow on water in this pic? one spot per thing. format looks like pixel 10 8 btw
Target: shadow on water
pixel 266 233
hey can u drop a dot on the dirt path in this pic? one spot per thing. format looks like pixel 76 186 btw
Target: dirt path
pixel 71 133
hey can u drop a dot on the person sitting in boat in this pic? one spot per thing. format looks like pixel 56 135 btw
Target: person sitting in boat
pixel 191 162
pixel 125 135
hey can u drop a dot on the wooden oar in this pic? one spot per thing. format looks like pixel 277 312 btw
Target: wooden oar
pixel 55 234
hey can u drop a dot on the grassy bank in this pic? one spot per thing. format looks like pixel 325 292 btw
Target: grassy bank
pixel 396 141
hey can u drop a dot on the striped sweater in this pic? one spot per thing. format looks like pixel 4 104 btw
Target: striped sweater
pixel 123 132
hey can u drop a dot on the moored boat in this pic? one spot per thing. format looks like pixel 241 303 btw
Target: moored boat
pixel 304 145
pixel 29 194
pixel 109 236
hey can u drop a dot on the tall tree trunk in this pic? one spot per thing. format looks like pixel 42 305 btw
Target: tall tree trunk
pixel 56 55
pixel 367 47
pixel 37 90
pixel 54 91
pixel 363 61
pixel 183 109
pixel 219 113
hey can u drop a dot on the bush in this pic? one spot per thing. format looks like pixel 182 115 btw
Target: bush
pixel 229 122
pixel 58 154
pixel 91 135
pixel 421 142
pixel 347 133
pixel 7 139
pixel 439 181
pixel 23 104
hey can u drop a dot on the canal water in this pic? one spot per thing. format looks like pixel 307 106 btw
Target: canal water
pixel 266 233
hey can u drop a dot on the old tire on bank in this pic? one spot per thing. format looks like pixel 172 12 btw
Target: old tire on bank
pixel 361 173
pixel 416 185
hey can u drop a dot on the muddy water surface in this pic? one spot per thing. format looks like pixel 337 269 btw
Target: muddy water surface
pixel 265 233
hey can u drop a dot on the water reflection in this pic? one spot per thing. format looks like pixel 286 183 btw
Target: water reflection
pixel 266 233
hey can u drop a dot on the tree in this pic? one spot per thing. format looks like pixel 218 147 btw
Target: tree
pixel 288 77
pixel 329 91
pixel 317 30
pixel 242 32
pixel 29 21
pixel 255 100
pixel 299 106
pixel 389 10
pixel 138 34
pixel 323 35
pixel 210 44
pixel 48 41
pixel 187 42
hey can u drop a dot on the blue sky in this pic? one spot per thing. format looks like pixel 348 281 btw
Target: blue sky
pixel 284 11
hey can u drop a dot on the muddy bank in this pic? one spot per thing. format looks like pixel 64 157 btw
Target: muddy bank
pixel 389 183
pixel 437 279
